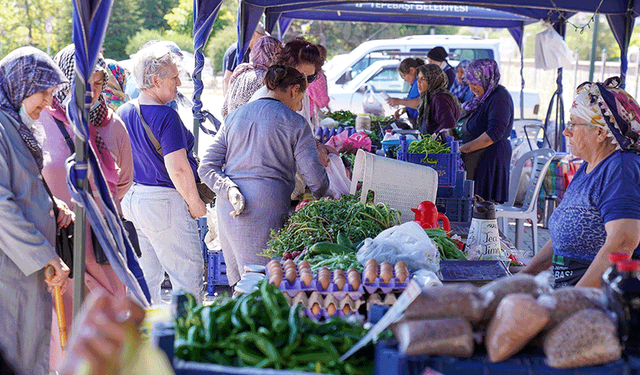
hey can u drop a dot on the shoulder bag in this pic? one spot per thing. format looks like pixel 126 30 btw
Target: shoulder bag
pixel 206 194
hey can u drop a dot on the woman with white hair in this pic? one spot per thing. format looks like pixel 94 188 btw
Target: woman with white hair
pixel 600 211
pixel 163 201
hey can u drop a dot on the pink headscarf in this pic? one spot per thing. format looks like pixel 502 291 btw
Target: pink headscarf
pixel 264 51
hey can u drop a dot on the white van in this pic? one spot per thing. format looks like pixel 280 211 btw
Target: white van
pixel 348 76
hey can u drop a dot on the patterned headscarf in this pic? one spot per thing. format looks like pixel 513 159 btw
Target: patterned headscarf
pixel 24 72
pixel 117 78
pixel 608 105
pixel 66 61
pixel 438 82
pixel 264 51
pixel 459 90
pixel 485 73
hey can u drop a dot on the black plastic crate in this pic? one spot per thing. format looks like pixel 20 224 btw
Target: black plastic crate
pixel 456 209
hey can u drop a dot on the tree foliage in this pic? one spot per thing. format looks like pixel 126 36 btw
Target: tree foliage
pixel 123 24
pixel 185 42
pixel 152 13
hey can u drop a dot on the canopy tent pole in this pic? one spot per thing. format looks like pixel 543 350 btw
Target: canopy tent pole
pixel 558 140
pixel 204 15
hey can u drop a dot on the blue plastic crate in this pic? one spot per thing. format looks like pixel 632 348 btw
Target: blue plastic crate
pixel 457 209
pixel 445 164
pixel 463 189
pixel 386 145
pixel 217 271
pixel 389 361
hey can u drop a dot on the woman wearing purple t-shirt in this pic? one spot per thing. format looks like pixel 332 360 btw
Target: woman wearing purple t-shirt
pixel 163 200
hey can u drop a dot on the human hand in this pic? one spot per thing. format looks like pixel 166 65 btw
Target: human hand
pixel 106 335
pixel 60 274
pixel 393 101
pixel 323 154
pixel 65 215
pixel 237 201
pixel 198 209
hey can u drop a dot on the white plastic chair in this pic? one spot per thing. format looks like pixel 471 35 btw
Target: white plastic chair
pixel 541 159
pixel 516 144
pixel 399 184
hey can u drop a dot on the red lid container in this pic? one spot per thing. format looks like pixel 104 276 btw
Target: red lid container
pixel 618 257
pixel 628 265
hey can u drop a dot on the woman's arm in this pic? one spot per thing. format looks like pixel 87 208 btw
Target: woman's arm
pixel 479 143
pixel 210 169
pixel 411 103
pixel 541 261
pixel 182 177
pixel 623 236
pixel 445 113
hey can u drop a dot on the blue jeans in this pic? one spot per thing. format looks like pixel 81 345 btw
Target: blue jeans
pixel 168 238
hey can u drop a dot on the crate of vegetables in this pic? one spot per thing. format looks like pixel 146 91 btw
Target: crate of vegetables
pixel 444 158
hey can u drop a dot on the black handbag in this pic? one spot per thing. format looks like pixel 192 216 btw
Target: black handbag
pixel 64 245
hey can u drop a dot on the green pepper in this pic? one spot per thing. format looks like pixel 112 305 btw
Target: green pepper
pixel 264 345
pixel 294 322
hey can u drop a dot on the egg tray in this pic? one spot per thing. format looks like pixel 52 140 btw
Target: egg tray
pixel 324 314
pixel 292 289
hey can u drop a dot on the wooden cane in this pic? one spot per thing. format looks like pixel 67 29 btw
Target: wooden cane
pixel 49 272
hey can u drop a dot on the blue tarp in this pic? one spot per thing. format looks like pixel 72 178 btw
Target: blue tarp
pixel 90 19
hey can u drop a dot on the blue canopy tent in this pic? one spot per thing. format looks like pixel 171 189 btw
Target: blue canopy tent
pixel 456 15
pixel 619 13
pixel 90 19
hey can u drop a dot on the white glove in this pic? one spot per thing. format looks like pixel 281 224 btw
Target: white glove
pixel 237 201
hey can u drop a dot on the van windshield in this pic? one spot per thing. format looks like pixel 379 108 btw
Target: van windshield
pixel 459 54
pixel 369 59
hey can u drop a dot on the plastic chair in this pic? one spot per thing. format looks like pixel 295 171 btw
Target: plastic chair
pixel 541 159
pixel 400 184
pixel 516 145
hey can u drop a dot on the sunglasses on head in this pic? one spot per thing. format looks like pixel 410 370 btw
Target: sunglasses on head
pixel 312 77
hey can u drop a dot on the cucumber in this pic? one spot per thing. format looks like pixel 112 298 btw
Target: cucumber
pixel 328 248
pixel 344 240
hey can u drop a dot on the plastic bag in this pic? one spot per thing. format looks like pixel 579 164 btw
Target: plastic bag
pixel 586 338
pixel 518 319
pixel 339 183
pixel 564 302
pixel 438 337
pixel 407 242
pixel 448 301
pixel 343 142
pixel 370 104
pixel 551 51
pixel 495 291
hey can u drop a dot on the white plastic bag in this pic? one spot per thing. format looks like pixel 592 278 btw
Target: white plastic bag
pixel 407 242
pixel 371 104
pixel 551 51
pixel 339 183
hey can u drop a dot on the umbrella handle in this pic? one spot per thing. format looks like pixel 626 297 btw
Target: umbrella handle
pixel 49 272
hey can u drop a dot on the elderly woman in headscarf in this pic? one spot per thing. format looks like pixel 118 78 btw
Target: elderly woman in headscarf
pixel 460 89
pixel 600 211
pixel 110 141
pixel 114 93
pixel 247 78
pixel 27 212
pixel 486 127
pixel 438 109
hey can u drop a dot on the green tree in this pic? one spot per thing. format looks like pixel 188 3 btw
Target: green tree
pixel 152 13
pixel 123 24
pixel 185 42
pixel 22 23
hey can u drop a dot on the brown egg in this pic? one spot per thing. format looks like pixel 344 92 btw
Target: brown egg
pixel 340 281
pixel 275 279
pixel 401 276
pixel 315 309
pixel 331 309
pixel 346 309
pixel 291 275
pixel 324 270
pixel 386 276
pixel 370 277
pixel 338 272
pixel 273 263
pixel 400 266
pixel 306 278
pixel 385 265
pixel 324 281
pixel 371 271
pixel 354 281
pixel 276 270
pixel 351 270
pixel 371 261
pixel 304 264
pixel 305 271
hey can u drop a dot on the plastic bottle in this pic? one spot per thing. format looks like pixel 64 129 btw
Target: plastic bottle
pixel 363 122
pixel 387 135
pixel 625 294
pixel 612 272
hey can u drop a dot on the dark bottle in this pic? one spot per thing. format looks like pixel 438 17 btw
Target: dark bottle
pixel 612 272
pixel 625 298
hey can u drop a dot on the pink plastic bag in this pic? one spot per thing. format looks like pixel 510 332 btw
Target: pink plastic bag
pixel 342 142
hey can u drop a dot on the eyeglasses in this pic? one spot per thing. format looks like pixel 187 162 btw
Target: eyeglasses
pixel 312 77
pixel 571 125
